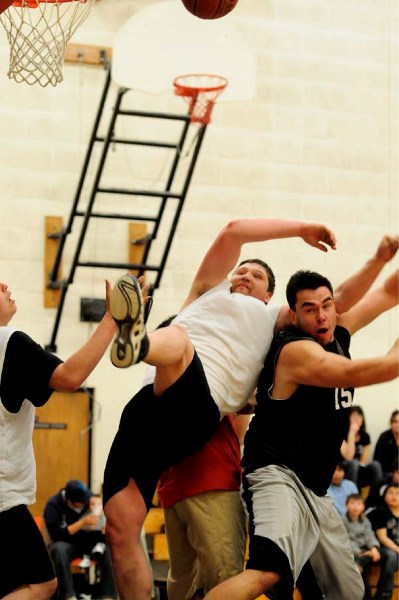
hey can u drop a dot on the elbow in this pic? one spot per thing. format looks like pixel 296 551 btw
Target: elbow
pixel 65 381
pixel 72 385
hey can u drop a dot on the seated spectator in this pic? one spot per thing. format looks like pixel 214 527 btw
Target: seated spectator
pixel 73 532
pixel 364 543
pixel 356 449
pixel 340 488
pixel 387 446
pixel 375 496
pixel 385 522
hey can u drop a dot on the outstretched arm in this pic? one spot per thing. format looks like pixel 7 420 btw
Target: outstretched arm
pixel 307 363
pixel 225 251
pixel 354 288
pixel 70 375
pixel 372 305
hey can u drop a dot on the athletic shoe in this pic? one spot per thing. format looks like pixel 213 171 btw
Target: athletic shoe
pixel 85 562
pixel 98 550
pixel 127 308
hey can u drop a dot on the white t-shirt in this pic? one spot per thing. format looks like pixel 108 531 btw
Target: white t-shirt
pixel 232 334
pixel 17 463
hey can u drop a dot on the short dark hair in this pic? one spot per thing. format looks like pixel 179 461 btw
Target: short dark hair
pixel 265 266
pixel 354 497
pixel 394 415
pixel 389 486
pixel 305 280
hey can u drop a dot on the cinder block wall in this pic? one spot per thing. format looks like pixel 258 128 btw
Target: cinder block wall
pixel 318 142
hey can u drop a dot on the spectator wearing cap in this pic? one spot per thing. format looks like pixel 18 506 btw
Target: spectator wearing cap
pixel 73 532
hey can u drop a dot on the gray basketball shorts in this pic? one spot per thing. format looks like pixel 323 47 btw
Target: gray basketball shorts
pixel 289 525
pixel 156 432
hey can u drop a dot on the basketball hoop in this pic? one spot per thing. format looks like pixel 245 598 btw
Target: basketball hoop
pixel 38 32
pixel 201 91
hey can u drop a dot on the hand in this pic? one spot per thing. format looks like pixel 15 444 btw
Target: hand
pixel 145 287
pixel 90 520
pixel 316 235
pixel 388 247
pixel 375 554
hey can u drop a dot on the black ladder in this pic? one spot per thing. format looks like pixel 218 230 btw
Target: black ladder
pixel 108 141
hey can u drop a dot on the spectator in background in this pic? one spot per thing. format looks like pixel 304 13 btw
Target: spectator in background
pixel 385 522
pixel 340 488
pixel 363 541
pixel 73 532
pixel 375 497
pixel 387 446
pixel 356 451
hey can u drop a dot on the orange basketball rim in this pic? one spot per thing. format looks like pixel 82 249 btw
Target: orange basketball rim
pixel 201 91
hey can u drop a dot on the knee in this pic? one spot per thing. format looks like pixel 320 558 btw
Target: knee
pixel 185 342
pixel 59 550
pixel 120 533
pixel 390 558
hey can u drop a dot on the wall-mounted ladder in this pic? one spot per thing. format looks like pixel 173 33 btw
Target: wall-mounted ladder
pixel 105 142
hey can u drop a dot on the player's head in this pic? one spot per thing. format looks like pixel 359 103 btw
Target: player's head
pixel 8 308
pixel 311 300
pixel 253 277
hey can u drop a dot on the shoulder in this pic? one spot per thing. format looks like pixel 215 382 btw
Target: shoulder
pixel 293 340
pixel 21 342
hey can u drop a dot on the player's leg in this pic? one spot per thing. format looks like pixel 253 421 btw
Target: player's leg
pixel 169 349
pixel 216 527
pixel 125 512
pixel 342 579
pixel 183 561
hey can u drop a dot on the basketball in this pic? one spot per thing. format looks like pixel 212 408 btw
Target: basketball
pixel 209 9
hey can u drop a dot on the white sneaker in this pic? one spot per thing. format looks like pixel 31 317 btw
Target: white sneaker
pixel 99 548
pixel 85 562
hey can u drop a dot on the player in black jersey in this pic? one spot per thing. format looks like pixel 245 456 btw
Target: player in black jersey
pixel 293 442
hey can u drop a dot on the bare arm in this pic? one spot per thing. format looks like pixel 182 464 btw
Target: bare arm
pixel 225 251
pixel 305 362
pixel 70 375
pixel 240 425
pixel 365 457
pixel 372 305
pixel 354 288
pixel 348 447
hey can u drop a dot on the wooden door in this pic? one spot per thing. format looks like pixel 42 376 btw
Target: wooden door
pixel 61 441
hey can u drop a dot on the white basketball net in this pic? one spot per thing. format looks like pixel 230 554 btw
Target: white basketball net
pixel 38 35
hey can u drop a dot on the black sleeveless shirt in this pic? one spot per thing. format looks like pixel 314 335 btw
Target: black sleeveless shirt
pixel 303 432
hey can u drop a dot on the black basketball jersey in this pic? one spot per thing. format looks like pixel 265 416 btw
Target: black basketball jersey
pixel 305 431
